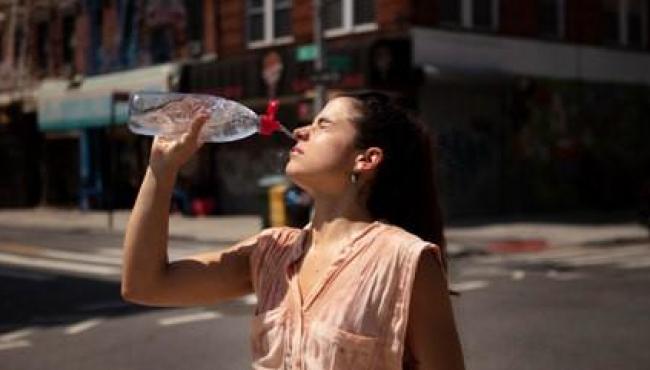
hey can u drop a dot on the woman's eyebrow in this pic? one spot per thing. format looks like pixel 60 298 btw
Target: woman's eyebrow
pixel 325 119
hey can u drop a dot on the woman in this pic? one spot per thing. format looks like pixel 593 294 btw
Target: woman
pixel 362 286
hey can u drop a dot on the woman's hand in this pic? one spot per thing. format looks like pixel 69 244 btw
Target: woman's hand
pixel 168 155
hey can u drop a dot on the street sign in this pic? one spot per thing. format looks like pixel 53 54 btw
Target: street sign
pixel 306 53
pixel 325 77
pixel 340 63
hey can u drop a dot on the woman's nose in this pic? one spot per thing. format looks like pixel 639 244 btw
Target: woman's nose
pixel 299 133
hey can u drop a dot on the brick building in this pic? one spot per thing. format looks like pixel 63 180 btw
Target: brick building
pixel 531 99
pixel 522 93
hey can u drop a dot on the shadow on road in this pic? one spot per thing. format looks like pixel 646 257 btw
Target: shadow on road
pixel 46 299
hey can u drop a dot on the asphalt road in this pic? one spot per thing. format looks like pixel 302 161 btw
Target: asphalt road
pixel 60 308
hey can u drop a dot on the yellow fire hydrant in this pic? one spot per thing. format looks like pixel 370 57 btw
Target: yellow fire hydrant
pixel 277 209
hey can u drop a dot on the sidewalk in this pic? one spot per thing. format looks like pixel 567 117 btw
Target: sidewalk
pixel 221 229
pixel 499 237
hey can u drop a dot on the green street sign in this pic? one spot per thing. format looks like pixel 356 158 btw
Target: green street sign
pixel 306 53
pixel 340 63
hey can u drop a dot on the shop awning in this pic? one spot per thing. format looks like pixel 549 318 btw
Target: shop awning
pixel 62 106
pixel 477 52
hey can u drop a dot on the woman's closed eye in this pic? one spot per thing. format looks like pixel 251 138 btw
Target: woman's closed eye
pixel 323 123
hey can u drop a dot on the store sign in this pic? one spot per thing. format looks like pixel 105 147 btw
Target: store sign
pixel 306 53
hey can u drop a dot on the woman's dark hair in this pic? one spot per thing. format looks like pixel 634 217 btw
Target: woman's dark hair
pixel 404 190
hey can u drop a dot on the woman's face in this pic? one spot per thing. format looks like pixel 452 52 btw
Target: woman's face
pixel 324 155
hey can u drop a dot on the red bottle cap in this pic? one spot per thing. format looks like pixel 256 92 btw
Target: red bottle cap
pixel 268 123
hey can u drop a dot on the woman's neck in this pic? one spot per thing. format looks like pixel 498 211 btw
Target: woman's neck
pixel 336 218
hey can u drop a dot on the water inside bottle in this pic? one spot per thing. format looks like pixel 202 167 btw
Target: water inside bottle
pixel 170 115
pixel 166 115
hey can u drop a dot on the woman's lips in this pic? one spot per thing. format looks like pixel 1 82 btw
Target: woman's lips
pixel 295 149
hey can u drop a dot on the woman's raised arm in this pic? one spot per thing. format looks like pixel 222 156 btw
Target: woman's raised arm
pixel 147 276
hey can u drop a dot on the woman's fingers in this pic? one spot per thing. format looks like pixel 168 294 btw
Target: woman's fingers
pixel 197 125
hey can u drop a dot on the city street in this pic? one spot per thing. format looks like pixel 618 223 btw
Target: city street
pixel 581 307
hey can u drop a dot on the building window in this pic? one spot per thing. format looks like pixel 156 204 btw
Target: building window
pixel 551 18
pixel 364 11
pixel 625 22
pixel 610 16
pixel 42 38
pixel 451 12
pixel 345 16
pixel 637 23
pixel 269 21
pixel 476 14
pixel 281 18
pixel 194 26
pixel 68 39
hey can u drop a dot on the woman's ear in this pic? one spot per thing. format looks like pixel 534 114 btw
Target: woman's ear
pixel 369 159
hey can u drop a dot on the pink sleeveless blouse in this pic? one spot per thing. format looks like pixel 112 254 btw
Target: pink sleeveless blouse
pixel 355 317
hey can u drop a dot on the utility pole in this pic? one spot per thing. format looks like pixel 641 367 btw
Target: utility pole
pixel 10 40
pixel 320 60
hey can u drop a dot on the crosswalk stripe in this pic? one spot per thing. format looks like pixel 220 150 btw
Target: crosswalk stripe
pixel 110 251
pixel 569 275
pixel 607 257
pixel 468 285
pixel 172 253
pixel 82 326
pixel 249 299
pixel 635 263
pixel 12 345
pixel 557 254
pixel 36 251
pixel 56 265
pixel 82 257
pixel 189 318
pixel 11 336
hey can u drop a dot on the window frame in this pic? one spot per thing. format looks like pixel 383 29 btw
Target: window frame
pixel 348 26
pixel 560 13
pixel 466 17
pixel 624 29
pixel 268 30
pixel 623 39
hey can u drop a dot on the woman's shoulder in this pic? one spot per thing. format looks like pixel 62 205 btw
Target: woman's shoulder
pixel 279 235
pixel 400 239
pixel 395 233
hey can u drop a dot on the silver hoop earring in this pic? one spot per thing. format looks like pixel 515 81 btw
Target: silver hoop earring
pixel 354 177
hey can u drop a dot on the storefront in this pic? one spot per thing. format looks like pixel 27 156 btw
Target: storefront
pixel 529 127
pixel 20 144
pixel 90 156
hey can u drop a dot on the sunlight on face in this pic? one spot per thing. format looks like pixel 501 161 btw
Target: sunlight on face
pixel 327 147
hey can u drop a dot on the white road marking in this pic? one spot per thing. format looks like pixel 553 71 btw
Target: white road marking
pixel 556 275
pixel 82 326
pixel 8 337
pixel 25 275
pixel 636 263
pixel 607 257
pixel 468 285
pixel 556 254
pixel 58 265
pixel 81 257
pixel 12 345
pixel 189 318
pixel 250 299
pixel 488 270
pixel 115 252
pixel 38 251
pixel 518 275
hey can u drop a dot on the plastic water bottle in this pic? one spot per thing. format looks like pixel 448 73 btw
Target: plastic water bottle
pixel 170 115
